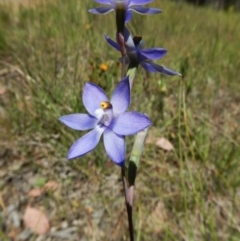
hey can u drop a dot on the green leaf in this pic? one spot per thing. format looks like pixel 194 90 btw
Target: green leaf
pixel 133 163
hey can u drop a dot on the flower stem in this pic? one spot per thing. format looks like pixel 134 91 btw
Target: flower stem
pixel 121 42
pixel 129 201
pixel 131 72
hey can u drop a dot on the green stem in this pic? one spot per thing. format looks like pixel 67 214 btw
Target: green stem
pixel 128 192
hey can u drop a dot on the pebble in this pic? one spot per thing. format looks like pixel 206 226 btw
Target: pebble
pixel 63 175
pixel 14 216
pixel 65 233
pixel 41 238
pixel 15 166
pixel 78 222
pixel 45 163
pixel 53 229
pixel 25 235
pixel 64 224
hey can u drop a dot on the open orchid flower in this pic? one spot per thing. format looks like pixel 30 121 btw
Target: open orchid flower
pixel 129 5
pixel 136 55
pixel 107 118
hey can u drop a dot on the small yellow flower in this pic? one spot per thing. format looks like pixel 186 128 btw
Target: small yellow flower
pixel 103 67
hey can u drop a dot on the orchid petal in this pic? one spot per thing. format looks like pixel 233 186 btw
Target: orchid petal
pixel 128 16
pixel 127 2
pixel 130 123
pixel 139 2
pixel 142 10
pixel 92 96
pixel 101 10
pixel 164 70
pixel 112 43
pixel 153 53
pixel 130 46
pixel 112 2
pixel 79 122
pixel 148 66
pixel 127 38
pixel 86 143
pixel 115 146
pixel 121 96
pixel 126 34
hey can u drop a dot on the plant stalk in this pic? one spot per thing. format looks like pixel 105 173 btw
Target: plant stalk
pixel 128 192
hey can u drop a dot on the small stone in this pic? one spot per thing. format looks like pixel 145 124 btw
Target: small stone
pixel 53 229
pixel 63 175
pixel 64 224
pixel 41 238
pixel 25 235
pixel 16 219
pixel 15 166
pixel 78 222
pixel 65 233
pixel 13 216
pixel 11 208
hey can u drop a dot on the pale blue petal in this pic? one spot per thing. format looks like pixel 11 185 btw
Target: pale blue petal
pixel 139 2
pixel 121 96
pixel 130 46
pixel 115 146
pixel 112 2
pixel 103 2
pixel 127 3
pixel 153 53
pixel 92 97
pixel 164 70
pixel 148 66
pixel 130 123
pixel 79 122
pixel 101 10
pixel 128 16
pixel 85 144
pixel 112 43
pixel 142 10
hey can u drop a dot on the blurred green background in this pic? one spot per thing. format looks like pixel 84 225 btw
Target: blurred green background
pixel 217 4
pixel 49 49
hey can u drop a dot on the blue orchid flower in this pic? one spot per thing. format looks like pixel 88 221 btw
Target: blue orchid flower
pixel 136 55
pixel 107 118
pixel 129 5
